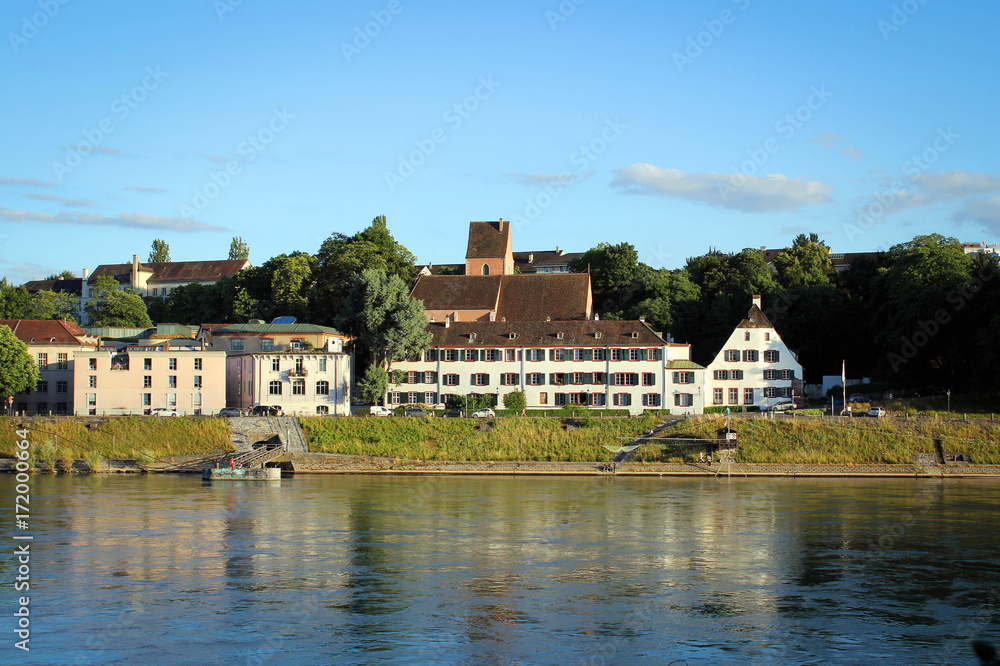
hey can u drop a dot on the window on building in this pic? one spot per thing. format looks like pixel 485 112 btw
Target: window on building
pixel 147 364
pixel 770 392
pixel 492 354
pixel 788 374
pixel 622 399
pixel 626 379
pixel 430 398
pixel 322 388
pixel 413 397
pixel 197 381
pixel 771 356
pixel 147 399
pixel 770 375
pixel 634 355
pixel 510 355
pixel 147 381
pixel 746 336
pixel 451 380
pixel 767 337
pixel 577 354
pixel 62 387
pixel 748 396
pixel 683 400
pixel 470 354
pixel 617 354
pixel 43 387
pixel 297 343
pixel 321 364
pixel 560 354
pixel 172 364
pixel 536 379
pixel 537 354
pixel 543 398
pixel 274 388
pixel 63 362
pixel 171 381
pixel 597 399
pixel 430 377
pixel 197 364
pixel 578 398
pixel 43 361
pixel 717 396
pixel 732 355
pixel 299 365
pixel 734 396
pixel 236 344
pixel 155 290
pixel 298 387
pixel 648 379
pixel 451 355
pixel 749 355
pixel 93 381
pixel 413 377
pixel 267 344
pixel 684 378
pixel 560 398
pixel 720 375
pixel 736 375
pixel 482 379
pixel 510 379
pixel 92 363
pixel 196 400
pixel 172 400
pixel 275 364
pixel 599 378
pixel 786 391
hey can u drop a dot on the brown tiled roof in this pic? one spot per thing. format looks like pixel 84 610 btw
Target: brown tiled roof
pixel 544 334
pixel 46 331
pixel 192 271
pixel 120 272
pixel 554 259
pixel 534 297
pixel 457 292
pixel 70 286
pixel 488 239
pixel 755 319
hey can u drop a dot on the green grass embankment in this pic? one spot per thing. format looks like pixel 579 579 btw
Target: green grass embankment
pixel 832 441
pixel 125 437
pixel 460 439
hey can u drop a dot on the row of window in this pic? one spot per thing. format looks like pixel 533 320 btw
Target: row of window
pixel 513 355
pixel 734 394
pixel 750 355
pixel 554 378
pixel 42 407
pixel 266 344
pixel 61 364
pixel 769 375
pixel 147 363
pixel 767 336
pixel 559 399
pixel 298 387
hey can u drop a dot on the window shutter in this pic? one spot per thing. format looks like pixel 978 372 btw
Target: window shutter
pixel 552 354
pixel 614 399
pixel 777 355
pixel 642 354
pixel 652 376
pixel 517 380
pixel 472 379
pixel 567 378
pixel 552 379
pixel 677 379
pixel 487 381
pixel 645 400
pixel 677 399
pixel 433 355
pixel 588 378
pixel 503 379
pixel 588 354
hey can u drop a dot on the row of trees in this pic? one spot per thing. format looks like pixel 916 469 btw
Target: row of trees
pixel 924 313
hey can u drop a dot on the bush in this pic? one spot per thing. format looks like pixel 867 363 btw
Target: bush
pixel 515 401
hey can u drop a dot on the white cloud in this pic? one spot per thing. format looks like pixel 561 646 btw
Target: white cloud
pixel 851 151
pixel 827 140
pixel 957 184
pixel 32 182
pixel 753 194
pixel 543 179
pixel 63 200
pixel 126 219
pixel 149 190
pixel 984 210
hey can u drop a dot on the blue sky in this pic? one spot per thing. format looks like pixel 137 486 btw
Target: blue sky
pixel 674 126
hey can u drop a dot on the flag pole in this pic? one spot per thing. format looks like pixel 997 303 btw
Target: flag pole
pixel 843 378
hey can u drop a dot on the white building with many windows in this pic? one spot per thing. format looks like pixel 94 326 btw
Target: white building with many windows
pixel 304 383
pixel 599 364
pixel 754 369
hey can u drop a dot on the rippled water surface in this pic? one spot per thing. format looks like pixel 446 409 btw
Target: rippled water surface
pixel 501 570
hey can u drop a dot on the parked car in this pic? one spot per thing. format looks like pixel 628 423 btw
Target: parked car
pixel 453 414
pixel 379 410
pixel 165 411
pixel 484 414
pixel 266 410
pixel 416 411
pixel 229 411
pixel 782 405
pixel 858 397
pixel 877 412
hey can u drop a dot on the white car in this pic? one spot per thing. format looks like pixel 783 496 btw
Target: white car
pixel 782 405
pixel 165 411
pixel 877 412
pixel 484 414
pixel 379 410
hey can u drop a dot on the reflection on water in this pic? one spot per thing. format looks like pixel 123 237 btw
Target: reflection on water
pixel 358 569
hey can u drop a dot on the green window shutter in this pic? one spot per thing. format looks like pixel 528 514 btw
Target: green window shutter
pixel 677 379
pixel 635 379
pixel 588 378
pixel 517 380
pixel 645 400
pixel 567 378
pixel 434 355
pixel 615 399
pixel 653 375
pixel 488 380
pixel 588 354
pixel 503 379
pixel 552 379
pixel 642 354
pixel 552 354
pixel 677 400
pixel 472 379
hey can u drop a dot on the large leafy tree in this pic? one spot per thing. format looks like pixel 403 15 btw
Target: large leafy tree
pixel 239 249
pixel 290 284
pixel 805 264
pixel 160 251
pixel 64 275
pixel 613 273
pixel 342 257
pixel 53 305
pixel 111 307
pixel 385 323
pixel 18 371
pixel 14 301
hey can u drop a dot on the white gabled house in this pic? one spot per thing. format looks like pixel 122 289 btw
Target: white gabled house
pixel 599 364
pixel 754 369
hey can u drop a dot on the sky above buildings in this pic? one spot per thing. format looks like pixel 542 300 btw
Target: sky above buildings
pixel 674 126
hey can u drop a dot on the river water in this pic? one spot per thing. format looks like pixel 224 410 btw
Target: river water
pixel 502 570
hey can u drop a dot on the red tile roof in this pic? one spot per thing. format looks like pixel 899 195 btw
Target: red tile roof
pixel 488 239
pixel 457 292
pixel 194 271
pixel 561 296
pixel 755 319
pixel 545 334
pixel 46 331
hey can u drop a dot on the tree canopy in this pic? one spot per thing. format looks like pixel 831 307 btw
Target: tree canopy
pixel 18 371
pixel 160 251
pixel 238 249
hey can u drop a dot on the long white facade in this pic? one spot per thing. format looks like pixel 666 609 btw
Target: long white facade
pixel 309 383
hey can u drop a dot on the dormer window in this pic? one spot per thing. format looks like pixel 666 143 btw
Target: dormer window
pixel 559 335
pixel 635 334
pixel 598 335
pixel 511 336
pixel 472 337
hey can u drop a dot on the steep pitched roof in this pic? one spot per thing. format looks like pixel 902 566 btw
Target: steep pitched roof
pixel 544 334
pixel 755 319
pixel 488 239
pixel 120 272
pixel 562 296
pixel 457 292
pixel 194 271
pixel 46 331
pixel 70 286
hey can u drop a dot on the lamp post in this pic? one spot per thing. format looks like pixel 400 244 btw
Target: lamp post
pixel 949 402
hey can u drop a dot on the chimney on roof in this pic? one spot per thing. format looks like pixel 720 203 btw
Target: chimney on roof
pixel 560 252
pixel 135 272
pixel 493 315
pixel 756 300
pixel 597 317
pixel 642 319
pixel 447 321
pixel 531 257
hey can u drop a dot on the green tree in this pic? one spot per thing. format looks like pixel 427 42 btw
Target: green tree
pixel 515 401
pixel 14 301
pixel 613 272
pixel 374 384
pixel 111 307
pixel 64 275
pixel 805 264
pixel 386 324
pixel 290 283
pixel 160 251
pixel 18 371
pixel 342 257
pixel 53 305
pixel 239 249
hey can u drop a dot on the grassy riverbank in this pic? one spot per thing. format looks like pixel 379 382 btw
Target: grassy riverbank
pixel 461 439
pixel 135 438
pixel 833 441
